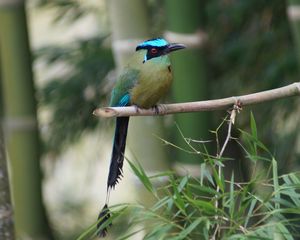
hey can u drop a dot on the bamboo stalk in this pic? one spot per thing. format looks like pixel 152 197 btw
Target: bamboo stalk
pixel 293 12
pixel 20 123
pixel 183 25
pixel 6 212
pixel 202 106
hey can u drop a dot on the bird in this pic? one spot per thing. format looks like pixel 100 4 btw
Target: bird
pixel 145 79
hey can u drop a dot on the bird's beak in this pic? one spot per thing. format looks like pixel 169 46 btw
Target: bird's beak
pixel 174 47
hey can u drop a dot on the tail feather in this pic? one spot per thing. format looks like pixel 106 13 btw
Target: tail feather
pixel 103 217
pixel 117 158
pixel 115 171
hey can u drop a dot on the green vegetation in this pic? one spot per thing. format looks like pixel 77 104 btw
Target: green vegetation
pixel 251 192
pixel 73 96
pixel 20 123
pixel 189 70
pixel 249 48
pixel 213 207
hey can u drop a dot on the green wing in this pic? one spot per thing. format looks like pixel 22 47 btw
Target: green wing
pixel 121 93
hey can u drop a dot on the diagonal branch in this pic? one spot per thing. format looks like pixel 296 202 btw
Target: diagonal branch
pixel 209 105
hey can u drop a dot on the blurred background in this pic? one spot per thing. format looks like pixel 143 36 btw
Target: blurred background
pixel 59 60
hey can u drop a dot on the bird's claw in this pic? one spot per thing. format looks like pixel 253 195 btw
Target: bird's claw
pixel 136 109
pixel 238 106
pixel 156 109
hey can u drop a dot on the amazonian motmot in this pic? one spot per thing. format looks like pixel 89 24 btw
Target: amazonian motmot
pixel 146 78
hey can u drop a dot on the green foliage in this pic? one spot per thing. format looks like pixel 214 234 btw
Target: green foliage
pixel 91 232
pixel 250 49
pixel 66 10
pixel 266 207
pixel 71 98
pixel 243 37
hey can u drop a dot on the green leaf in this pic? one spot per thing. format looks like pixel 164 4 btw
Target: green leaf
pixel 275 183
pixel 283 232
pixel 291 184
pixel 204 189
pixel 182 183
pixel 218 179
pixel 127 236
pixel 254 132
pixel 158 232
pixel 253 126
pixel 91 232
pixel 204 205
pixel 250 211
pixel 252 143
pixel 178 200
pixel 161 203
pixel 140 173
pixel 184 233
pixel 202 172
pixel 231 197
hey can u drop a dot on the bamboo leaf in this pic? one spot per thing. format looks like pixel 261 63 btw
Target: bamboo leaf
pixel 204 189
pixel 231 197
pixel 162 202
pixel 140 173
pixel 178 200
pixel 182 183
pixel 284 232
pixel 91 232
pixel 130 235
pixel 250 211
pixel 88 233
pixel 275 183
pixel 158 232
pixel 253 126
pixel 184 233
pixel 206 206
pixel 218 179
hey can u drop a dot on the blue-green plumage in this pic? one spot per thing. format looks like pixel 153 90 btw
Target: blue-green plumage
pixel 146 78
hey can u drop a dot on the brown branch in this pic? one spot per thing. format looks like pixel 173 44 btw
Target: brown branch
pixel 210 105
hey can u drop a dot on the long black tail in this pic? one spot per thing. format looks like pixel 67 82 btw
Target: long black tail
pixel 117 156
pixel 115 169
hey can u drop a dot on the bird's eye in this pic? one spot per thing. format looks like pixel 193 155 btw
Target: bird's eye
pixel 153 50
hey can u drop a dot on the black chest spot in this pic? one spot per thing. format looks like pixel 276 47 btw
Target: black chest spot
pixel 169 68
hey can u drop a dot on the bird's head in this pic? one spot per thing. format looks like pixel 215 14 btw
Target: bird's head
pixel 157 47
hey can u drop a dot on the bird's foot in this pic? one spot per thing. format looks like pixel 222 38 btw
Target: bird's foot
pixel 238 106
pixel 136 108
pixel 156 109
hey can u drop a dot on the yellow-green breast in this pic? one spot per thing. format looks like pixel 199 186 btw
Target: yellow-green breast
pixel 154 80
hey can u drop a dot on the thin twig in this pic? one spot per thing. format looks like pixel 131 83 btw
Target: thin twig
pixel 231 121
pixel 235 110
pixel 210 105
